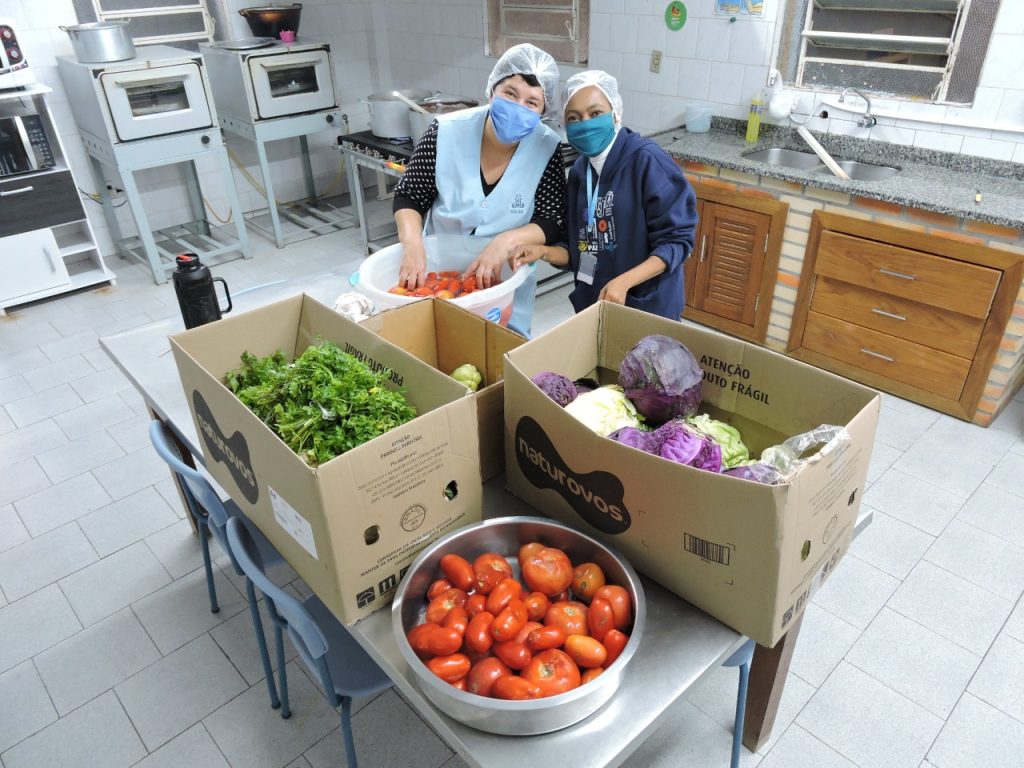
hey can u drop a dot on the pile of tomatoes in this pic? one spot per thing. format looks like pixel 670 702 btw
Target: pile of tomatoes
pixel 441 285
pixel 488 634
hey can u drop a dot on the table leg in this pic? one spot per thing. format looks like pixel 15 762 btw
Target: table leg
pixel 355 193
pixel 767 681
pixel 188 458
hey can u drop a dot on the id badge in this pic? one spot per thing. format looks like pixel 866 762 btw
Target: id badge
pixel 588 266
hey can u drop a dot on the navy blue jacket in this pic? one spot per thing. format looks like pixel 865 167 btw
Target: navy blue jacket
pixel 645 207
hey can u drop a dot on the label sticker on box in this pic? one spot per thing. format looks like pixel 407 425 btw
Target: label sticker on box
pixel 294 524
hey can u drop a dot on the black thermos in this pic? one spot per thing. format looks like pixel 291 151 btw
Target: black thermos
pixel 194 287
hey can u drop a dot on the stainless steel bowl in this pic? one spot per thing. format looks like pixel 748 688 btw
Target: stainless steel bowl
pixel 504 535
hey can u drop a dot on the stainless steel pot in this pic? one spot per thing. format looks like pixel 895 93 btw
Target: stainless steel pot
pixel 419 122
pixel 505 535
pixel 101 41
pixel 389 116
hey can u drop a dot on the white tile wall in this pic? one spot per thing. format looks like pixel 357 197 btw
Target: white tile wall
pixel 438 44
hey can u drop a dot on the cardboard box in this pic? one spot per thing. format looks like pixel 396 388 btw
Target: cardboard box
pixel 749 554
pixel 445 336
pixel 351 526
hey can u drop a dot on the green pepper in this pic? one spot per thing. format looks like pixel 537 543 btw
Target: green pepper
pixel 467 374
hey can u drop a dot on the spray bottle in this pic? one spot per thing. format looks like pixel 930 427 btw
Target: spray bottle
pixel 754 120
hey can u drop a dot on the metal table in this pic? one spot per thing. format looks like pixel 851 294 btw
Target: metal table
pixel 681 643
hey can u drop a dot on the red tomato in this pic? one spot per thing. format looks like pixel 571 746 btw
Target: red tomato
pixel 545 638
pixel 460 684
pixel 422 291
pixel 457 619
pixel 514 688
pixel 438 608
pixel 459 571
pixel 437 587
pixel 552 672
pixel 537 605
pixel 476 603
pixel 614 642
pixel 484 673
pixel 502 594
pixel 528 627
pixel 398 290
pixel 506 625
pixel 600 618
pixel 469 285
pixel 590 674
pixel 450 668
pixel 561 597
pixel 585 651
pixel 490 569
pixel 433 640
pixel 548 570
pixel 515 655
pixel 569 616
pixel 478 633
pixel 622 605
pixel 449 273
pixel 528 550
pixel 444 294
pixel 587 578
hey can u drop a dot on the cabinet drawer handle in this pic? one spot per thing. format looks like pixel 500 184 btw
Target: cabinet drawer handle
pixel 891 315
pixel 53 264
pixel 879 355
pixel 19 191
pixel 703 242
pixel 900 275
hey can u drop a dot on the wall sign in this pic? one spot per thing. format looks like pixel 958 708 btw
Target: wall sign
pixel 675 16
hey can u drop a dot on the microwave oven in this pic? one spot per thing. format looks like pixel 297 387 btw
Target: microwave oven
pixel 24 145
pixel 14 71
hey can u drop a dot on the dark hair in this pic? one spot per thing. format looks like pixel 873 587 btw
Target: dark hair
pixel 531 80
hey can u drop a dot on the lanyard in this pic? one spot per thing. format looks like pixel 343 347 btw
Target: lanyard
pixel 592 196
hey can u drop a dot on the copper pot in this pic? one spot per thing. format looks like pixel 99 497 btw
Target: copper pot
pixel 270 20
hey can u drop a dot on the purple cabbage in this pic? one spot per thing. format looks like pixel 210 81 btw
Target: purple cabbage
pixel 585 385
pixel 756 472
pixel 662 378
pixel 681 444
pixel 556 386
pixel 641 439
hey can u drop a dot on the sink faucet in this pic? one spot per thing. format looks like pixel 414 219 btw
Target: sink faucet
pixel 867 120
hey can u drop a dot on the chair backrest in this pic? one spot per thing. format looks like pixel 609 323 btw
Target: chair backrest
pixel 197 489
pixel 306 635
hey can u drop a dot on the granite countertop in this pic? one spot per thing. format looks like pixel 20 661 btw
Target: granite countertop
pixel 934 181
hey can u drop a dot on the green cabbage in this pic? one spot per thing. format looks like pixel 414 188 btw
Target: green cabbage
pixel 734 452
pixel 604 410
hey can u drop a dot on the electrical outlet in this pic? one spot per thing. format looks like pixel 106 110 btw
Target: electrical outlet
pixel 773 78
pixel 655 61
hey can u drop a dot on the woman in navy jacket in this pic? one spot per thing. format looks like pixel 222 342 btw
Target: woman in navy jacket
pixel 631 213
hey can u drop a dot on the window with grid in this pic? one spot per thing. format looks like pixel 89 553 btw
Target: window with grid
pixel 922 49
pixel 560 28
pixel 166 22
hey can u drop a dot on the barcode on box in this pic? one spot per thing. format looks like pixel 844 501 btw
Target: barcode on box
pixel 706 550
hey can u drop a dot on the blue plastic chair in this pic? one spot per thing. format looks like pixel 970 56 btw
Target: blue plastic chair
pixel 330 652
pixel 741 658
pixel 210 513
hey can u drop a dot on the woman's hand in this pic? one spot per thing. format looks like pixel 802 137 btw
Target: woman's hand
pixel 412 272
pixel 487 266
pixel 525 254
pixel 615 290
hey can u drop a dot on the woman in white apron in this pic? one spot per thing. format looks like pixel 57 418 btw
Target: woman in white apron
pixel 494 171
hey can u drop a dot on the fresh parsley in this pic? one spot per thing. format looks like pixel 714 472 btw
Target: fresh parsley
pixel 323 404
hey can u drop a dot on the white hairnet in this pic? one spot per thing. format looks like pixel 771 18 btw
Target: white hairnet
pixel 601 80
pixel 526 59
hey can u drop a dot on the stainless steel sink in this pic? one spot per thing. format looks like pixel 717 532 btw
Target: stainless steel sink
pixel 789 158
pixel 808 161
pixel 859 171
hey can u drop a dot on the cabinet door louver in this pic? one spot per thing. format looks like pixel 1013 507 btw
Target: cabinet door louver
pixel 733 261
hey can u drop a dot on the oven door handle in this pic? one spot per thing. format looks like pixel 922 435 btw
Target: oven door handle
pixel 141 83
pixel 291 64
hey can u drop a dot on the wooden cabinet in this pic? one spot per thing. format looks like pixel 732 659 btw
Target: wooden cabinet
pixel 730 276
pixel 917 315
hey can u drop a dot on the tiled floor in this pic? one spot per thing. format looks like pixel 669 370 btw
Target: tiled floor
pixel 912 655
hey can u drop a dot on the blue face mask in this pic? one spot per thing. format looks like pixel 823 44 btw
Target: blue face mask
pixel 591 137
pixel 512 122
